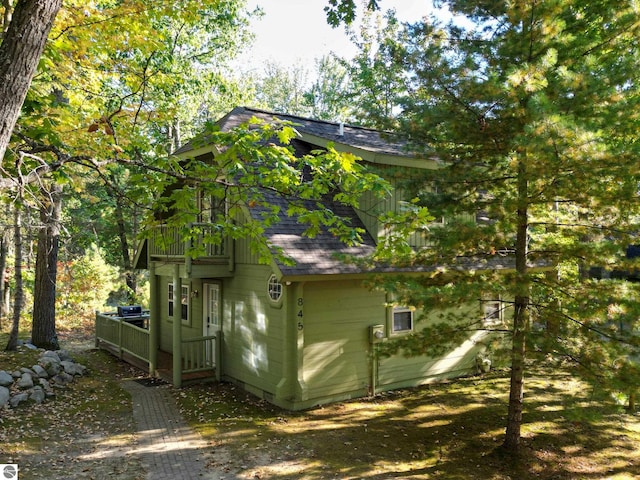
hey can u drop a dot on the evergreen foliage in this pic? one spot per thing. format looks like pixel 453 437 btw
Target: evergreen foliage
pixel 531 109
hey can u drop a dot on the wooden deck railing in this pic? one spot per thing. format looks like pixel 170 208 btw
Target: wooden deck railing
pixel 122 336
pixel 199 354
pixel 166 240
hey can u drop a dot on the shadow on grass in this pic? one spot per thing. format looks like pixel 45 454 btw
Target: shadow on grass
pixel 86 431
pixel 451 430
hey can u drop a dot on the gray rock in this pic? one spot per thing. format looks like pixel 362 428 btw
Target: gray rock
pixel 18 399
pixel 62 379
pixel 30 346
pixel 46 386
pixel 25 382
pixel 64 356
pixel 24 370
pixel 50 354
pixel 6 379
pixel 73 368
pixel 16 374
pixel 51 365
pixel 40 372
pixel 37 394
pixel 4 396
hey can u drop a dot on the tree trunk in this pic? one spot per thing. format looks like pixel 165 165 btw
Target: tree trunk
pixel 43 330
pixel 4 251
pixel 20 52
pixel 12 344
pixel 124 248
pixel 520 316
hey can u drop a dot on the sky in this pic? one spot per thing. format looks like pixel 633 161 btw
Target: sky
pixel 296 31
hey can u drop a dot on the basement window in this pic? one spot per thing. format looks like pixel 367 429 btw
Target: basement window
pixel 274 289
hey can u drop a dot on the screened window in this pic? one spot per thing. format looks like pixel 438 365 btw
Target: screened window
pixel 402 319
pixel 210 208
pixel 184 303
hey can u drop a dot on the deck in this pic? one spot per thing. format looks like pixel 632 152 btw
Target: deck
pixel 129 340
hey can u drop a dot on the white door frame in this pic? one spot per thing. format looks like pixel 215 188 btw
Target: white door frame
pixel 211 305
pixel 211 315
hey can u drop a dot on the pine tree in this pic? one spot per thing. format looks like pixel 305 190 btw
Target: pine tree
pixel 531 109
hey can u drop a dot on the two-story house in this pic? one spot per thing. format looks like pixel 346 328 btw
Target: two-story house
pixel 300 334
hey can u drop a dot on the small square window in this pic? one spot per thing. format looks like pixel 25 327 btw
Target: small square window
pixel 492 311
pixel 402 319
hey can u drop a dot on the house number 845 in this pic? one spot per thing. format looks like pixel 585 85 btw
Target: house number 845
pixel 300 314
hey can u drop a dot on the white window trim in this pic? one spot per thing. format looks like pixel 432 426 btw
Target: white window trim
pixel 401 309
pixel 185 299
pixel 492 311
pixel 170 300
pixel 275 286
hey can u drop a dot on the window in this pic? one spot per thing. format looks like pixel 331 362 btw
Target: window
pixel 492 311
pixel 274 288
pixel 171 299
pixel 210 208
pixel 402 319
pixel 184 301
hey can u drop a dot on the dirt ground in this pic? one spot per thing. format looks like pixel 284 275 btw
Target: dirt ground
pixel 447 431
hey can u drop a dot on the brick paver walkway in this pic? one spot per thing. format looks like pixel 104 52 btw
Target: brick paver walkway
pixel 168 447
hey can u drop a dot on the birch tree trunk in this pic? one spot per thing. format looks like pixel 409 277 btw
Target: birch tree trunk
pixel 18 302
pixel 20 51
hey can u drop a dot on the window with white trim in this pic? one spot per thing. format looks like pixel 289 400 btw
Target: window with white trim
pixel 492 311
pixel 402 320
pixel 274 289
pixel 184 302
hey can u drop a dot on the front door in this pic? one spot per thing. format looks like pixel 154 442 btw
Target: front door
pixel 211 316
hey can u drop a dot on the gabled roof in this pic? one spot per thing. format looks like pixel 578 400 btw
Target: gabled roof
pixel 367 143
pixel 318 255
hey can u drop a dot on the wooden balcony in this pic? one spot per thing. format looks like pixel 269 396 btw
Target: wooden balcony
pixel 166 241
pixel 126 339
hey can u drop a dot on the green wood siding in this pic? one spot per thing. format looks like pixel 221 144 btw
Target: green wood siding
pixel 189 330
pixel 400 371
pixel 336 356
pixel 372 207
pixel 253 329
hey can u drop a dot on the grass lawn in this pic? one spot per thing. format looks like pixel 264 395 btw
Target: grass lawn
pixel 446 431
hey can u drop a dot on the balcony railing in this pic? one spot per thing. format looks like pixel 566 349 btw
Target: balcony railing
pixel 167 241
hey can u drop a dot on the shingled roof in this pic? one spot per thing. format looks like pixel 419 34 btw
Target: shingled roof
pixel 366 139
pixel 318 255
